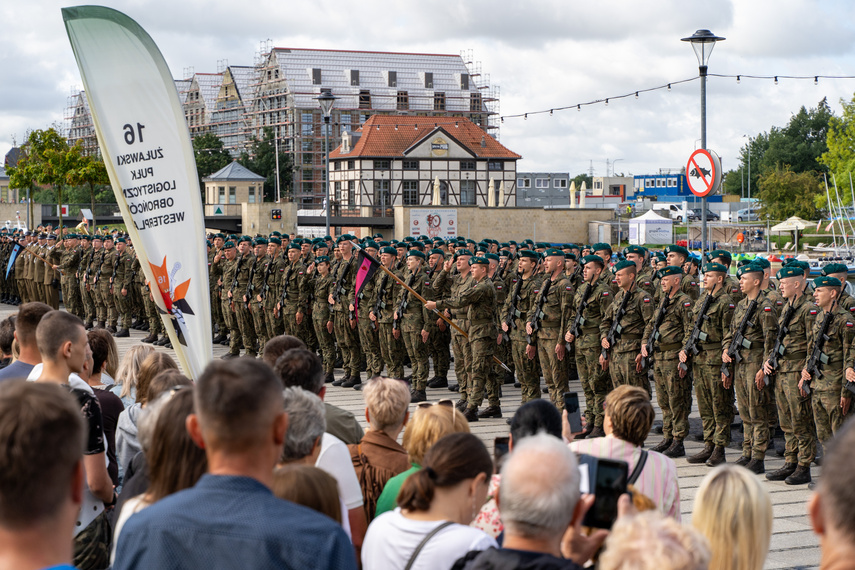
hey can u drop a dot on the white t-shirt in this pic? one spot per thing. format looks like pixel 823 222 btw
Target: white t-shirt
pixel 392 538
pixel 335 460
pixel 130 507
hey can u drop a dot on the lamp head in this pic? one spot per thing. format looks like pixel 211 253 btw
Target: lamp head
pixel 703 42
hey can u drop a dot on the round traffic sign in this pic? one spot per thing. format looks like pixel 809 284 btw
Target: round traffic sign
pixel 703 172
pixel 740 237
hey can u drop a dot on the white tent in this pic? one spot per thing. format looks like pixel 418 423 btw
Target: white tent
pixel 651 229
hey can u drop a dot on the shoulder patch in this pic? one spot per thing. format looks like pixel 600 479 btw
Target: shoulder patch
pixel 779 303
pixel 647 282
pixel 767 309
pixel 850 324
pixel 499 287
pixel 646 299
pixel 568 288
pixel 813 311
pixel 605 293
pixel 692 283
pixel 687 304
pixel 731 305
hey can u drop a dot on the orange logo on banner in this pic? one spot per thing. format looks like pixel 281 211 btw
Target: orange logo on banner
pixel 740 237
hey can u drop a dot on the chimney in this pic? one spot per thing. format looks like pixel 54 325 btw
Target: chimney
pixel 345 142
pixel 483 141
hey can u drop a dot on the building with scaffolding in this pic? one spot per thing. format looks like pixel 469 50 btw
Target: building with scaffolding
pixel 364 84
pixel 229 120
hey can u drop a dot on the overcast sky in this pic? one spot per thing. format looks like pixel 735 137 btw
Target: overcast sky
pixel 542 53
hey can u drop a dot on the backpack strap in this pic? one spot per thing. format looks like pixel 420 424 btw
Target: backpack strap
pixel 639 467
pixel 424 541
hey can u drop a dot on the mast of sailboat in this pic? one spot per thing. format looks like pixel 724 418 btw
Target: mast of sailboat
pixel 842 215
pixel 830 210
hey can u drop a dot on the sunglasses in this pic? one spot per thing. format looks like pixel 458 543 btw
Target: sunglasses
pixel 445 402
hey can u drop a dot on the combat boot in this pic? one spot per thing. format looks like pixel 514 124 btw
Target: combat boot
pixel 782 473
pixel 220 338
pixel 437 382
pixel 461 405
pixel 743 461
pixel 342 381
pixel 416 396
pixel 230 355
pixel 490 412
pixel 757 466
pixel 717 457
pixel 509 377
pixel 663 445
pixel 676 449
pixel 150 338
pixel 122 333
pixel 598 431
pixel 328 377
pixel 801 476
pixel 99 325
pixel 702 455
pixel 352 381
pixel 471 414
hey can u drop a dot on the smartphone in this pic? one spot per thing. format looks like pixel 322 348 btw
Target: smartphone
pixel 574 414
pixel 500 447
pixel 606 479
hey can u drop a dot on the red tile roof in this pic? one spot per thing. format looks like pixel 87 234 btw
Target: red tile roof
pixel 390 136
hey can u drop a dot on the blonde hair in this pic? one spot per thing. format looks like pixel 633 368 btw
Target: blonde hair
pixel 130 367
pixel 427 426
pixel 652 541
pixel 386 400
pixel 734 512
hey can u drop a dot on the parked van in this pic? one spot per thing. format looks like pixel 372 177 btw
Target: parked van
pixel 674 211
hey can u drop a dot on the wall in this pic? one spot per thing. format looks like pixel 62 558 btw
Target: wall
pixel 9 212
pixel 504 224
pixel 256 218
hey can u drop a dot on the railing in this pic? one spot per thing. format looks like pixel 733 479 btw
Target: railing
pixel 100 210
pixel 349 212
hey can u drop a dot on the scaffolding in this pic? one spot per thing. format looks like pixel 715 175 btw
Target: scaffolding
pixel 78 126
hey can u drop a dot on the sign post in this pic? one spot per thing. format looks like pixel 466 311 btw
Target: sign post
pixel 703 175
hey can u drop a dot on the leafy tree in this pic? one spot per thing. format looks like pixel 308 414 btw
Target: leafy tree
pixel 784 193
pixel 839 156
pixel 211 156
pixel 86 171
pixel 261 159
pixel 44 161
pixel 579 178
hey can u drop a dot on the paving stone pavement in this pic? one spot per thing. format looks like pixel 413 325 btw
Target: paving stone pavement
pixel 794 545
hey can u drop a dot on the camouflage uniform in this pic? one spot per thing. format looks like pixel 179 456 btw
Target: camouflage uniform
pixel 321 315
pixel 294 299
pixel 731 285
pixel 229 269
pixel 242 314
pixel 438 340
pixel 794 411
pixel 121 280
pixel 392 349
pixel 69 262
pixel 369 331
pixel 271 290
pixel 51 282
pixel 412 320
pixel 621 356
pixel 830 387
pixel 215 271
pixel 715 403
pixel 526 371
pixel 554 318
pixel 670 388
pixel 461 347
pixel 256 284
pixel 645 280
pixel 346 338
pixel 596 382
pixel 753 403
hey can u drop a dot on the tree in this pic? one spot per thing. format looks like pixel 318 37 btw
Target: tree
pixel 579 178
pixel 784 193
pixel 44 161
pixel 839 156
pixel 86 171
pixel 211 156
pixel 261 159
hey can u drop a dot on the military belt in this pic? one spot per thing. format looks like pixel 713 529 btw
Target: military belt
pixel 710 346
pixel 631 337
pixel 590 330
pixel 481 322
pixel 795 356
pixel 667 347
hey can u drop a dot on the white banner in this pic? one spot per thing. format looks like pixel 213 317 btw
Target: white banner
pixel 433 222
pixel 146 147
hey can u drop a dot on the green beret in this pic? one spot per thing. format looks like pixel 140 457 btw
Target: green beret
pixel 219 235
pixel 553 251
pixel 742 262
pixel 481 249
pixel 504 253
pixel 826 281
pixel 275 240
pixel 293 245
pixel 233 237
pixel 409 239
pixel 424 238
pixel 541 245
pixel 834 268
pixel 98 237
pixel 601 247
pixel 118 240
pixel 322 259
pixel 276 233
pixel 438 242
pixel 715 268
pixel 370 244
pixel 620 265
pixel 678 249
pixel 670 270
pixel 749 268
pixel 244 239
pixel 637 249
pixel 789 271
pixel 528 253
pixel 803 265
pixel 229 245
pixel 594 259
pixel 389 249
pixel 493 257
pixel 512 242
pixel 762 262
pixel 659 256
pixel 436 251
pixel 504 245
pixel 720 253
pixel 108 237
pixel 260 241
pixel 377 236
pixel 479 261
pixel 416 253
pixel 570 256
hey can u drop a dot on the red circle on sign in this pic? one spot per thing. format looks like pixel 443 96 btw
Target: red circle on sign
pixel 701 173
pixel 415 222
pixel 740 237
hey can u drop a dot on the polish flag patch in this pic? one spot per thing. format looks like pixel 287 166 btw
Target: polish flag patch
pixel 647 299
pixel 568 288
pixel 731 305
pixel 850 324
pixel 605 293
pixel 768 309
pixel 687 304
pixel 813 311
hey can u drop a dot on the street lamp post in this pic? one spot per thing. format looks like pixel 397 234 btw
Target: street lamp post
pixel 749 176
pixel 326 100
pixel 703 42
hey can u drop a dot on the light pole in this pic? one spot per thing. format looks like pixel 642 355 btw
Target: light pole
pixel 614 172
pixel 748 146
pixel 326 100
pixel 703 42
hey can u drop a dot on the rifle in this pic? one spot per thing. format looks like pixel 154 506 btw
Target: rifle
pixel 691 346
pixel 739 340
pixel 339 285
pixel 537 314
pixel 402 306
pixel 249 285
pixel 235 280
pixel 575 329
pixel 513 312
pixel 778 348
pixel 379 304
pixel 266 288
pixel 654 334
pixel 616 328
pixel 817 357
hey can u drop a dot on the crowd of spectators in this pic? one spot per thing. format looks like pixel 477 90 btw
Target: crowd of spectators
pixel 131 465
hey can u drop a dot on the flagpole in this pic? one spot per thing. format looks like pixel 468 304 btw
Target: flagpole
pixel 423 300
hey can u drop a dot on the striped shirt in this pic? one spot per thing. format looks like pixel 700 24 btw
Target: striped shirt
pixel 658 480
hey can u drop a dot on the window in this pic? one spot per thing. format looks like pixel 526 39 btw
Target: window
pixel 307 202
pixel 523 182
pixel 307 124
pixel 410 165
pixel 439 101
pixel 381 193
pixel 337 165
pixel 428 80
pixel 354 77
pixel 659 183
pixel 475 102
pixel 540 182
pixel 307 189
pixel 337 196
pixel 672 182
pixel 467 165
pixel 221 199
pixel 365 99
pixel 648 183
pixel 350 165
pixel 381 165
pixel 464 81
pixel 316 76
pixel 403 101
pixel 307 145
pixel 362 118
pixel 351 199
pixel 495 165
pixel 344 121
pixel 307 158
pixel 393 79
pixel 560 183
pixel 251 198
pixel 411 193
pixel 467 192
pixel 232 195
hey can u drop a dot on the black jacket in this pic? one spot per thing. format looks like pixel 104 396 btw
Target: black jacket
pixel 507 559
